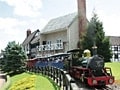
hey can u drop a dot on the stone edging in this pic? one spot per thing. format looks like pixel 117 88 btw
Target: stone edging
pixel 7 83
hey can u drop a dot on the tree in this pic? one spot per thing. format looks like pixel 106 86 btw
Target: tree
pixel 96 36
pixel 14 58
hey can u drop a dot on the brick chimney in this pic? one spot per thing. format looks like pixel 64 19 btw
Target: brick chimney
pixel 28 32
pixel 82 20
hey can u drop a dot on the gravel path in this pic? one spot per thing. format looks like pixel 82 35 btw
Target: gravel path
pixel 115 87
pixel 2 82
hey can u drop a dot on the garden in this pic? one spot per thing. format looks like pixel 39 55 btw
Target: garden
pixel 30 81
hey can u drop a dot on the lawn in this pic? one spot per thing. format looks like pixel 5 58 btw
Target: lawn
pixel 41 82
pixel 115 66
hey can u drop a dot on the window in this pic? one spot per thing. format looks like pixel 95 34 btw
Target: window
pixel 116 56
pixel 44 43
pixel 59 44
pixel 115 48
pixel 48 45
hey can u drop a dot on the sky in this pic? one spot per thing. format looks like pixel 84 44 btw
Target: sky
pixel 16 16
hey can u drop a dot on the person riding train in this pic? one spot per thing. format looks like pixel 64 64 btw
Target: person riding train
pixel 87 53
pixel 86 56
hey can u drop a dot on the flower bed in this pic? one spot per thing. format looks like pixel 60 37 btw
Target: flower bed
pixel 27 83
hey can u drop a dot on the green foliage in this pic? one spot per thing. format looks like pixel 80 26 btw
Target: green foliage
pixel 96 36
pixel 14 58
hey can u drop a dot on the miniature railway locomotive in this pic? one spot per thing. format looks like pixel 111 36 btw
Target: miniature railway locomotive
pixel 92 71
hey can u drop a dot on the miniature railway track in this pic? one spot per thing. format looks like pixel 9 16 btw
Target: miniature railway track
pixel 104 88
pixel 82 86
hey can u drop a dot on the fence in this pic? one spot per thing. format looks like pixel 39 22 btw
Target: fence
pixel 61 77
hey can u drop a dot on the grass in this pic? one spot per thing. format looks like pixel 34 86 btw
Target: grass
pixel 44 83
pixel 115 66
pixel 41 83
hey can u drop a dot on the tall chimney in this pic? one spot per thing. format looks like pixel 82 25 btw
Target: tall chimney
pixel 82 20
pixel 28 32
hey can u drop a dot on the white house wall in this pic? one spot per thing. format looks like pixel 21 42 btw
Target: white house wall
pixel 69 36
pixel 73 35
pixel 53 37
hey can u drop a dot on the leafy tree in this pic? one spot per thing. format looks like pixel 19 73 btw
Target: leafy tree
pixel 14 58
pixel 95 36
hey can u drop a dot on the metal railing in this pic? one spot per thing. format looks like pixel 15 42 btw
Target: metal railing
pixel 55 46
pixel 61 77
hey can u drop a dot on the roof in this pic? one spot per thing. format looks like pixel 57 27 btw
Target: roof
pixel 59 23
pixel 60 55
pixel 35 40
pixel 29 38
pixel 114 40
pixel 74 50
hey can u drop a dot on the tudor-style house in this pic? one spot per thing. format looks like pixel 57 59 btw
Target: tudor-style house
pixel 28 45
pixel 115 47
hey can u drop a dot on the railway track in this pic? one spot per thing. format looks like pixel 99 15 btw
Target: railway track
pixel 82 86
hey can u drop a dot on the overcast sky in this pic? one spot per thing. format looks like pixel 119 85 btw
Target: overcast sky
pixel 16 16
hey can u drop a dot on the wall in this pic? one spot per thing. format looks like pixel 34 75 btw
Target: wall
pixel 70 36
pixel 73 34
pixel 56 35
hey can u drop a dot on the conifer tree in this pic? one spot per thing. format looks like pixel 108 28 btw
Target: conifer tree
pixel 14 58
pixel 95 36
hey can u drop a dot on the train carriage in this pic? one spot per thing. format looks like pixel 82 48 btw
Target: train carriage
pixel 56 60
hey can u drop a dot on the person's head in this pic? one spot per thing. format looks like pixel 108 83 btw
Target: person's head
pixel 87 53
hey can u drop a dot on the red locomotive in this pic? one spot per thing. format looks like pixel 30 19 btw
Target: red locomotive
pixel 92 70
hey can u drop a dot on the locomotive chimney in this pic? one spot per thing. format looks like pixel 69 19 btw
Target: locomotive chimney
pixel 82 21
pixel 94 48
pixel 28 32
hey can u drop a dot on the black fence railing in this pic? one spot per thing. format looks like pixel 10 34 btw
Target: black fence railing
pixel 61 77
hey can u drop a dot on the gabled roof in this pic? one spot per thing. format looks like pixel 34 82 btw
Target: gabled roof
pixel 59 23
pixel 114 40
pixel 35 40
pixel 29 38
